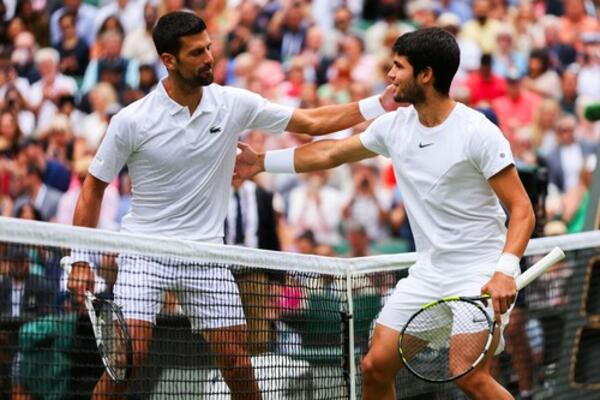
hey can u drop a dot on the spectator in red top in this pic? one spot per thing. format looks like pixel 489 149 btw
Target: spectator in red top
pixel 517 108
pixel 484 85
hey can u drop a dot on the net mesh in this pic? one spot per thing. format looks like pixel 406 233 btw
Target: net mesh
pixel 309 319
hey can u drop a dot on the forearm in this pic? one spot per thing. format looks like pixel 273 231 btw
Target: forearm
pixel 87 210
pixel 334 118
pixel 520 228
pixel 314 156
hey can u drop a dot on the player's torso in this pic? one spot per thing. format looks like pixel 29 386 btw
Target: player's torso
pixel 182 165
pixel 449 201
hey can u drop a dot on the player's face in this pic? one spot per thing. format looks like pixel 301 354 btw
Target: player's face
pixel 407 87
pixel 194 64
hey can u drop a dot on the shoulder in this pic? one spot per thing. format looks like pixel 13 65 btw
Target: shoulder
pixel 474 123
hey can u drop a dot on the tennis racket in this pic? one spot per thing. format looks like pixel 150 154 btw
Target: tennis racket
pixel 448 338
pixel 112 336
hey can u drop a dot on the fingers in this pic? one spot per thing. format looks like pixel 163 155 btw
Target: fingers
pixel 80 280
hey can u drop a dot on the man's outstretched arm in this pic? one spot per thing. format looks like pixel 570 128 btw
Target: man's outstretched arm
pixel 323 154
pixel 334 118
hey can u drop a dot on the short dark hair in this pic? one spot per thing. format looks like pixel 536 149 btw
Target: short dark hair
pixel 543 56
pixel 434 48
pixel 170 27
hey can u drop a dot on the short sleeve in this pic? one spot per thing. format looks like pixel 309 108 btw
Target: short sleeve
pixel 263 114
pixel 490 151
pixel 374 137
pixel 114 151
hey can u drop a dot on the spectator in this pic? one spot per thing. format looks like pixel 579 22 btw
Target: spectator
pixel 544 136
pixel 567 160
pixel 129 12
pixel 111 67
pixel 44 198
pixel 29 212
pixel 568 84
pixel 22 56
pixel 316 206
pixel 575 23
pixel 138 44
pixel 67 202
pixel 516 108
pixel 10 134
pixel 481 28
pixel 375 34
pixel 507 57
pixel 588 82
pixel 54 173
pixel 45 92
pixel 368 204
pixel 541 79
pixel 73 50
pixel 85 16
pixel 17 106
pixel 94 125
pixel 561 54
pixel 485 86
pixel 470 53
pixel 35 20
pixel 23 296
pixel 358 239
pixel 286 31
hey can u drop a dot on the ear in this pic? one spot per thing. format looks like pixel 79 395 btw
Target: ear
pixel 169 60
pixel 426 76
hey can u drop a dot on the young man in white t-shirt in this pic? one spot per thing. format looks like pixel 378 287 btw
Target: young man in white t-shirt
pixel 453 168
pixel 179 143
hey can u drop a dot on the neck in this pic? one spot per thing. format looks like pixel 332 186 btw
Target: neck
pixel 434 110
pixel 186 96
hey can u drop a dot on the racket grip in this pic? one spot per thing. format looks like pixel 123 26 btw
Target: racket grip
pixel 539 267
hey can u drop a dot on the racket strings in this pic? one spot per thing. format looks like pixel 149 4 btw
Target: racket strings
pixel 445 340
pixel 114 342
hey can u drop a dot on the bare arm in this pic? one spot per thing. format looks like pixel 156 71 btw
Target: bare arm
pixel 334 118
pixel 87 210
pixel 509 189
pixel 315 156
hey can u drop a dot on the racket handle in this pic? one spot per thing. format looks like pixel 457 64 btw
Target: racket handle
pixel 539 267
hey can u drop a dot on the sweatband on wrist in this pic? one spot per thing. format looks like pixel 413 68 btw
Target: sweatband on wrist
pixel 371 108
pixel 280 161
pixel 508 264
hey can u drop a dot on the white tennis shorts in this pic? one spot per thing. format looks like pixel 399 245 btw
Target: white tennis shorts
pixel 425 284
pixel 207 294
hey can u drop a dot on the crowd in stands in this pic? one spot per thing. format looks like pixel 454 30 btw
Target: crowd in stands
pixel 66 67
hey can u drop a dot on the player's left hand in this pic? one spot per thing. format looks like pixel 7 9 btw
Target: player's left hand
pixel 247 163
pixel 502 289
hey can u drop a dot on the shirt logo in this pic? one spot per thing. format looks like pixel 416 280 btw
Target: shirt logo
pixel 215 129
pixel 422 145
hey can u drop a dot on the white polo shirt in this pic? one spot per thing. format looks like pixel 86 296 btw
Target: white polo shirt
pixel 442 173
pixel 181 165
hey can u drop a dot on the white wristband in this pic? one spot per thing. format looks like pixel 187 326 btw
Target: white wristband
pixel 280 161
pixel 508 264
pixel 371 108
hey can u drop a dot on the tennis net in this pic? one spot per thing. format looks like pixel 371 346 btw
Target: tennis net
pixel 309 318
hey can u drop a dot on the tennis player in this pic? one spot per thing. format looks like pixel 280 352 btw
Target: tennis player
pixel 179 143
pixel 454 168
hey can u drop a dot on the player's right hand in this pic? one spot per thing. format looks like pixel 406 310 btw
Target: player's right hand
pixel 81 279
pixel 247 163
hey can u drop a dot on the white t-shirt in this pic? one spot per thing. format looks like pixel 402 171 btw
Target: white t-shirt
pixel 181 165
pixel 442 173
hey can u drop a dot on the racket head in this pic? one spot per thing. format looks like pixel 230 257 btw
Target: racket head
pixel 446 339
pixel 112 337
